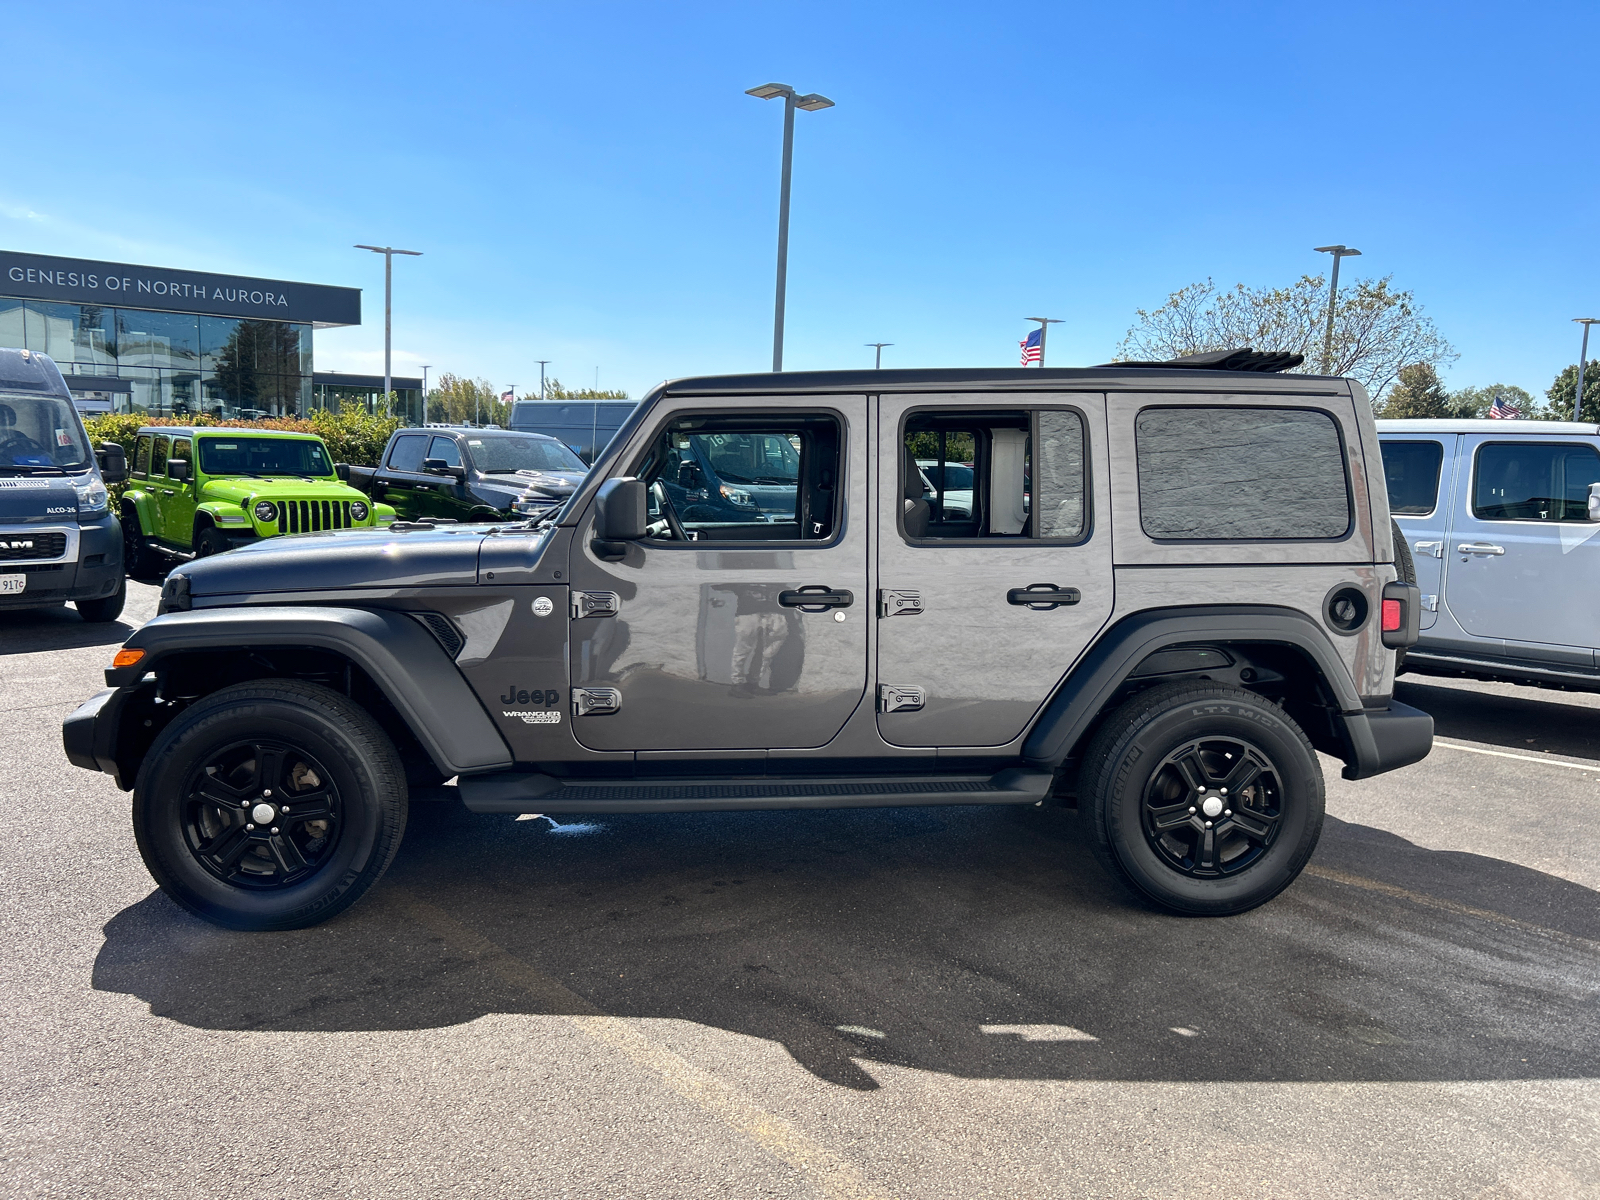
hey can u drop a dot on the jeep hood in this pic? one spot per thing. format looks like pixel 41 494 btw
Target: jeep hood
pixel 245 490
pixel 348 558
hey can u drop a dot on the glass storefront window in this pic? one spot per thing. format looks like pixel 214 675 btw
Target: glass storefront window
pixel 151 339
pixel 71 333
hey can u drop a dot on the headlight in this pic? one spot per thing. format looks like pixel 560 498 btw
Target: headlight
pixel 737 496
pixel 91 496
pixel 266 512
pixel 358 511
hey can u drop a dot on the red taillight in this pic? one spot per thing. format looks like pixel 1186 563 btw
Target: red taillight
pixel 1392 618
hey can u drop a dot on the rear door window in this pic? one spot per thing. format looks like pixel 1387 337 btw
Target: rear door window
pixel 1241 473
pixel 141 457
pixel 408 452
pixel 1534 481
pixel 158 460
pixel 1411 470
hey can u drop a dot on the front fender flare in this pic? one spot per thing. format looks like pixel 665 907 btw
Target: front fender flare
pixel 405 662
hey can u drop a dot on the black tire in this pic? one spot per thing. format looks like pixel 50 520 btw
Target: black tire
pixel 107 608
pixel 137 560
pixel 206 851
pixel 1406 566
pixel 211 540
pixel 1130 785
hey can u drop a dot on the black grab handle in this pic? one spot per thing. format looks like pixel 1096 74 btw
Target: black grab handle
pixel 1043 596
pixel 816 598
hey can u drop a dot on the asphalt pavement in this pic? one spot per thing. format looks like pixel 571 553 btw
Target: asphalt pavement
pixel 900 1002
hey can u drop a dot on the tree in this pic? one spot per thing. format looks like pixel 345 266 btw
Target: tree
pixel 1376 330
pixel 456 399
pixel 1417 393
pixel 1475 401
pixel 1561 392
pixel 554 390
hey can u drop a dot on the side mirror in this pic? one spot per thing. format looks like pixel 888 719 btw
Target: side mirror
pixel 690 477
pixel 620 515
pixel 178 470
pixel 1594 502
pixel 438 466
pixel 113 461
pixel 342 471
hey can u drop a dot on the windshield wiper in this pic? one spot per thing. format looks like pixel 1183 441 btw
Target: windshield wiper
pixel 36 469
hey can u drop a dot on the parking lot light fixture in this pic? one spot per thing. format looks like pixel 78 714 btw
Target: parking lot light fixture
pixel 388 253
pixel 1583 358
pixel 878 362
pixel 811 102
pixel 1338 252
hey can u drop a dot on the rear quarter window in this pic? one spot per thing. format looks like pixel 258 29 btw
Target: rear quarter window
pixel 1240 474
pixel 1411 470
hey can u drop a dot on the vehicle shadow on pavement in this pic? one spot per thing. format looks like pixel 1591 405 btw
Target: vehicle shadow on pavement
pixel 985 943
pixel 1558 725
pixel 32 630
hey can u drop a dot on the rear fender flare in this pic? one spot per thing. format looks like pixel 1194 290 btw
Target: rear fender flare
pixel 1094 682
pixel 141 505
pixel 402 659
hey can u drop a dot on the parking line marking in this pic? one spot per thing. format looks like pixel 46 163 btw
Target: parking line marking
pixel 833 1174
pixel 1396 892
pixel 1533 758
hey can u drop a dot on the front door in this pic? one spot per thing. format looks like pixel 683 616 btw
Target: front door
pixel 1524 559
pixel 729 628
pixel 994 561
pixel 1420 473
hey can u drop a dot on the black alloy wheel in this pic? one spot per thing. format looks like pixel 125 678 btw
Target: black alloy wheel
pixel 260 814
pixel 273 804
pixel 1212 807
pixel 211 541
pixel 1204 798
pixel 137 560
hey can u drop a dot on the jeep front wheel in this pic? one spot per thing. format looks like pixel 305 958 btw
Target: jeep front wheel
pixel 270 805
pixel 1207 799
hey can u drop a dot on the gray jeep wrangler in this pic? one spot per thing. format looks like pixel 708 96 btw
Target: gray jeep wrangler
pixel 1163 588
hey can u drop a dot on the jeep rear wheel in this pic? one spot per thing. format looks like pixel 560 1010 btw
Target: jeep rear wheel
pixel 137 560
pixel 270 805
pixel 1207 799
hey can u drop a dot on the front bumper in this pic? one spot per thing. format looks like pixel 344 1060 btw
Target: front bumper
pixel 1384 739
pixel 89 734
pixel 91 569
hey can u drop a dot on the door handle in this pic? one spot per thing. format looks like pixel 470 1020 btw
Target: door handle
pixel 1043 596
pixel 1480 548
pixel 816 598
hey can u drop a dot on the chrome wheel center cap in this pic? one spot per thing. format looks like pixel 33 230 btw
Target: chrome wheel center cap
pixel 264 814
pixel 1211 806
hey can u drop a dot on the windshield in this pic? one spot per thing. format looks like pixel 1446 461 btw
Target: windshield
pixel 505 454
pixel 750 457
pixel 263 456
pixel 41 433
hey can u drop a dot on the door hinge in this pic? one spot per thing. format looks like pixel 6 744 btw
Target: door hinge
pixel 595 702
pixel 899 699
pixel 1431 549
pixel 893 603
pixel 595 604
pixel 1430 603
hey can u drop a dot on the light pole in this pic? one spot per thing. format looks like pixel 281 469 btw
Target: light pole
pixel 542 363
pixel 811 103
pixel 1338 252
pixel 424 419
pixel 878 346
pixel 388 253
pixel 1044 330
pixel 1583 358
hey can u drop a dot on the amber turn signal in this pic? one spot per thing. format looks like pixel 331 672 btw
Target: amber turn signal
pixel 126 658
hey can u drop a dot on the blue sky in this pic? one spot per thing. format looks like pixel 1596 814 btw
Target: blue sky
pixel 590 185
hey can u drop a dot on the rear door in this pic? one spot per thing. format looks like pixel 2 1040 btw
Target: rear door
pixel 400 480
pixel 985 604
pixel 162 489
pixel 1524 559
pixel 1419 470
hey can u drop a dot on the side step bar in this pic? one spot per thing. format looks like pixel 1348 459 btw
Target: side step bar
pixel 530 792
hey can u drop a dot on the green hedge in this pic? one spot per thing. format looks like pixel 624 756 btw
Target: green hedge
pixel 353 435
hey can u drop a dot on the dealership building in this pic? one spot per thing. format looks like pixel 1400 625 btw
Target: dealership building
pixel 172 343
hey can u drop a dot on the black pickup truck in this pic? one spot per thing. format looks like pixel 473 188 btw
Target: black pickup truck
pixel 462 473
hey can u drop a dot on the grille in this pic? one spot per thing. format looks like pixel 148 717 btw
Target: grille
pixel 312 516
pixel 14 546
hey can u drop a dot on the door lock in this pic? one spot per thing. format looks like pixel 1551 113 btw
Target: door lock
pixel 899 699
pixel 595 702
pixel 595 604
pixel 899 603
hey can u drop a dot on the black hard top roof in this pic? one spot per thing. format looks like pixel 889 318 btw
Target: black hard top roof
pixel 1112 377
pixel 221 431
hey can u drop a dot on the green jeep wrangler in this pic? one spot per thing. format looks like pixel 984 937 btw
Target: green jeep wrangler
pixel 198 492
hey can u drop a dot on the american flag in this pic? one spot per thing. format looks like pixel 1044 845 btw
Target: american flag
pixel 508 397
pixel 1503 409
pixel 1032 350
